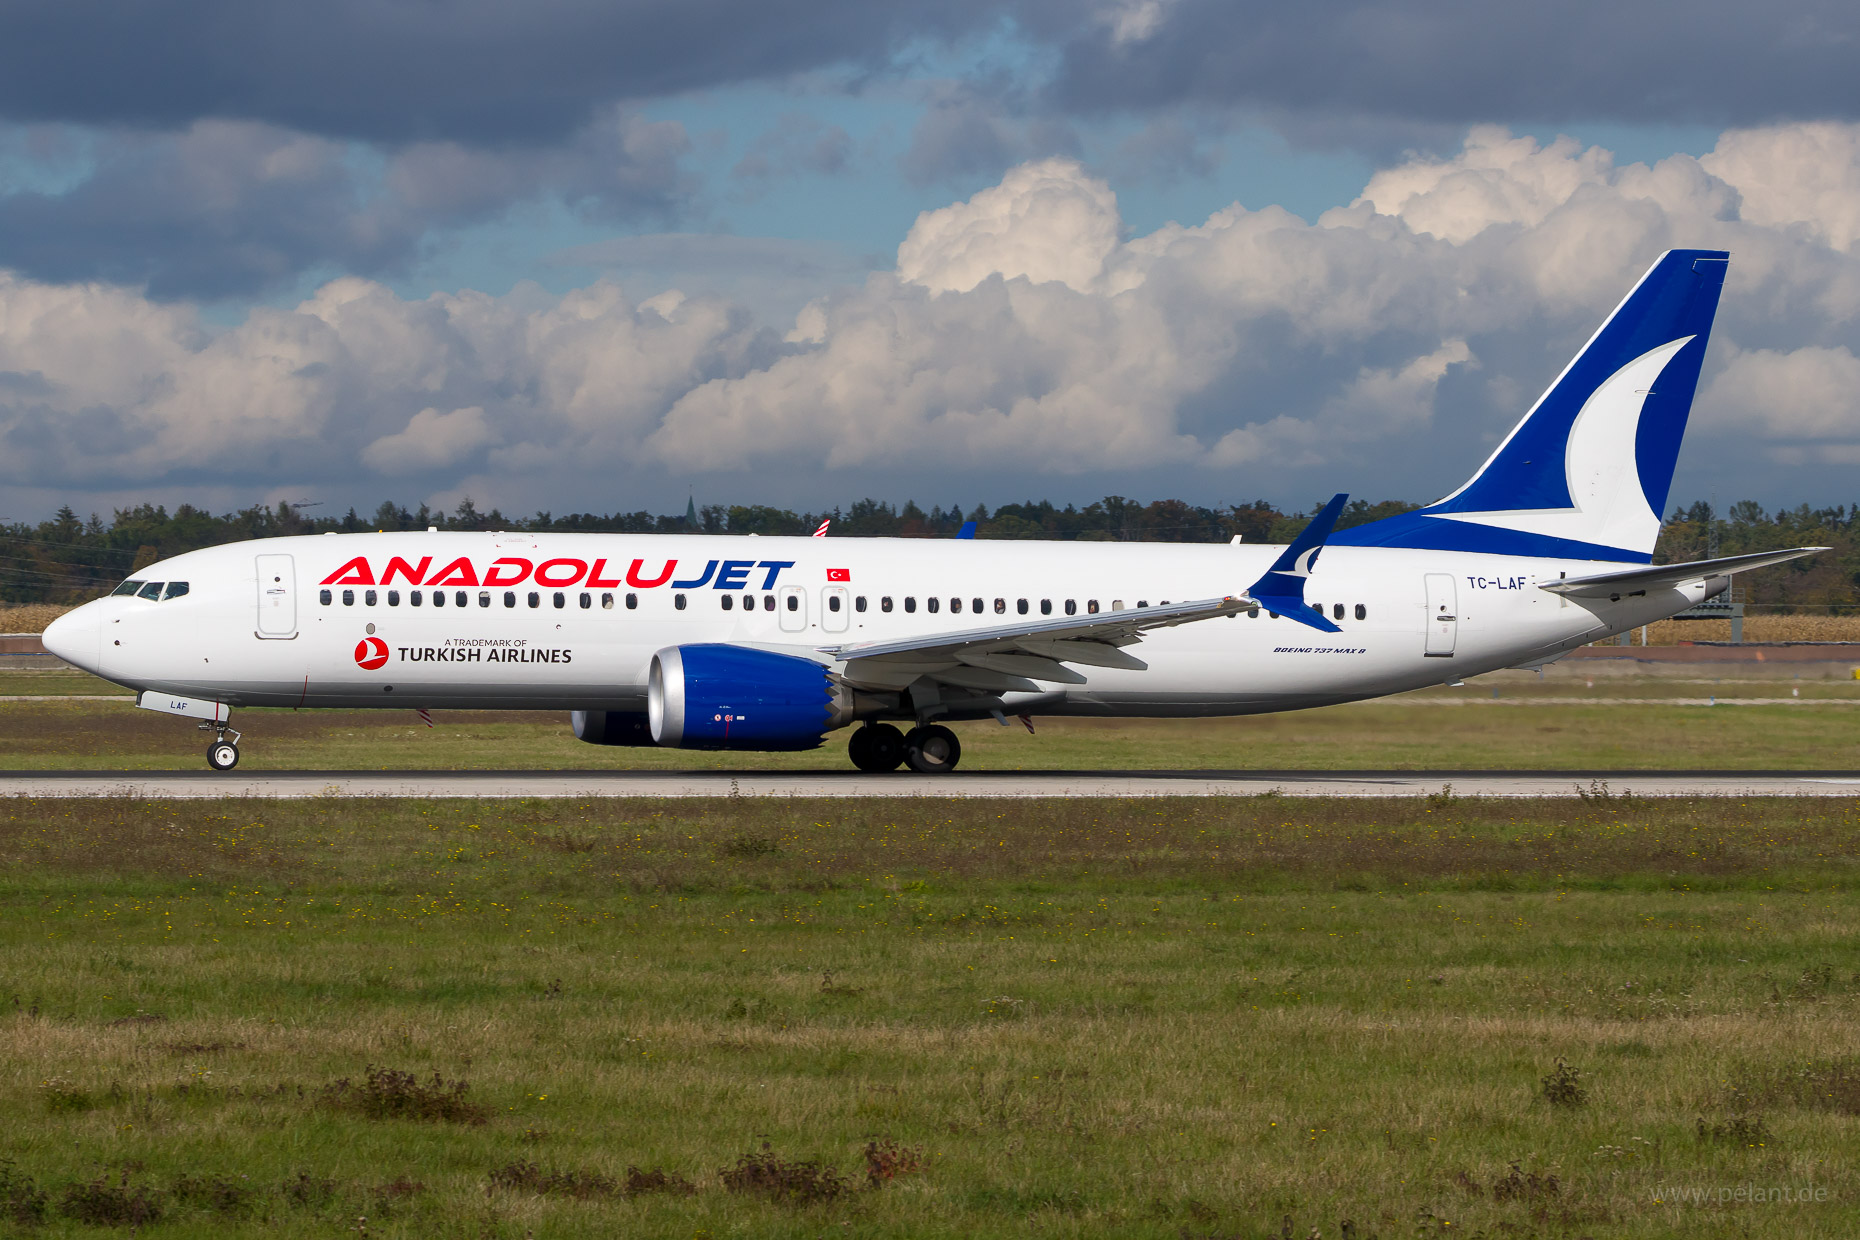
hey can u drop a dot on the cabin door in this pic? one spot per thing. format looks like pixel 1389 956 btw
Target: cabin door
pixel 1443 624
pixel 277 596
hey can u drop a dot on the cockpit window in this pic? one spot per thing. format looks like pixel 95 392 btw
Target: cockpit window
pixel 150 590
pixel 127 588
pixel 175 589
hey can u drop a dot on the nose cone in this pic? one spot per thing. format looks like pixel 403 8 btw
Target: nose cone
pixel 76 636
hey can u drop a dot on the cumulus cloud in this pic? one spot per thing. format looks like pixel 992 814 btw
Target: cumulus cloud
pixel 1384 347
pixel 431 441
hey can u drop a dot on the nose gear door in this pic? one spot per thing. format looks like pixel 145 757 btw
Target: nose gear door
pixel 1443 624
pixel 277 596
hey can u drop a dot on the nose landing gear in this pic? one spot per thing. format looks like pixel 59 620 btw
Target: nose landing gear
pixel 222 754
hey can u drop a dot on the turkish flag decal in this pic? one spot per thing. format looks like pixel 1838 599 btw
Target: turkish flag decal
pixel 839 574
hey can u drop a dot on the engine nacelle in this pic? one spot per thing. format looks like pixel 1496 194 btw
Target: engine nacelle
pixel 611 727
pixel 731 697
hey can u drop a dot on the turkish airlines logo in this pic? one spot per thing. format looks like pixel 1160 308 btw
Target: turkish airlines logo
pixel 371 654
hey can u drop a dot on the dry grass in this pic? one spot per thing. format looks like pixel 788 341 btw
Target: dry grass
pixel 1757 629
pixel 30 617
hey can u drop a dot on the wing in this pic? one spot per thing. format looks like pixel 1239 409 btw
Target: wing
pixel 1011 658
pixel 1639 580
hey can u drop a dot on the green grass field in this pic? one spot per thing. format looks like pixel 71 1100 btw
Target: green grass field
pixel 722 1018
pixel 1478 732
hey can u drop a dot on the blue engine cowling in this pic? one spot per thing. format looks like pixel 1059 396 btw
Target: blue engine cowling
pixel 731 697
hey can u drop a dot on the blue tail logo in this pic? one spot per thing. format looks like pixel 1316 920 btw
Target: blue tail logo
pixel 1586 473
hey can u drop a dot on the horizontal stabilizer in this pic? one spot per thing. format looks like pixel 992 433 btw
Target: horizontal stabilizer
pixel 1659 576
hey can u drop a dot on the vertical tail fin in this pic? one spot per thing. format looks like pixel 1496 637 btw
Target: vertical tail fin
pixel 1586 473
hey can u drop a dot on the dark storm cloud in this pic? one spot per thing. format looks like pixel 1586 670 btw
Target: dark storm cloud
pixel 1457 61
pixel 225 208
pixel 405 70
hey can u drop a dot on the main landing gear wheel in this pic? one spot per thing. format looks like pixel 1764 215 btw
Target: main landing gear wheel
pixel 222 755
pixel 877 747
pixel 932 750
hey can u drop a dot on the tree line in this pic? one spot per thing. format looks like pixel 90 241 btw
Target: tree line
pixel 68 559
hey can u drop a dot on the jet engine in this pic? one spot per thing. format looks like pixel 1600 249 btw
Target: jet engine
pixel 731 697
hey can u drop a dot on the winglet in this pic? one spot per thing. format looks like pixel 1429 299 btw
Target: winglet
pixel 967 530
pixel 1282 589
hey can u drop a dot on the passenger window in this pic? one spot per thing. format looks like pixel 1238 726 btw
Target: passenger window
pixel 910 604
pixel 833 602
pixel 130 587
pixel 1253 613
pixel 1020 605
pixel 510 598
pixel 535 599
pixel 859 603
pixel 976 606
pixel 439 598
pixel 368 598
pixel 1091 606
pixel 932 605
pixel 955 606
pixel 587 600
pixel 393 598
pixel 413 598
pixel 607 601
pixel 884 602
pixel 348 598
pixel 150 590
pixel 1143 602
pixel 768 602
pixel 794 602
pixel 726 601
pixel 560 600
pixel 1046 607
pixel 324 597
pixel 1117 604
pixel 678 601
pixel 1001 607
pixel 1072 607
pixel 1362 612
pixel 632 602
pixel 1336 611
pixel 459 598
pixel 484 598
pixel 175 590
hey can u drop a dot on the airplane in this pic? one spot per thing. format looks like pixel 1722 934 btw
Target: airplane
pixel 766 643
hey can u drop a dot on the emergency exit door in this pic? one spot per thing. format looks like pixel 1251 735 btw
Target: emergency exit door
pixel 277 596
pixel 1443 622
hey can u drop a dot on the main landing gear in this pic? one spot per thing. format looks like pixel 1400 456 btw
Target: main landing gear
pixel 930 750
pixel 222 754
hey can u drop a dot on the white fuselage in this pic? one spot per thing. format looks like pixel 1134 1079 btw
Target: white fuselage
pixel 254 629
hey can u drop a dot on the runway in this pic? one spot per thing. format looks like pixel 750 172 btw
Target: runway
pixel 197 785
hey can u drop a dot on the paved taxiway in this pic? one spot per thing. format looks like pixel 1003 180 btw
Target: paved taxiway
pixel 204 784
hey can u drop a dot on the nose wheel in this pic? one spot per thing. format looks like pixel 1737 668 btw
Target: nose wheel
pixel 223 754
